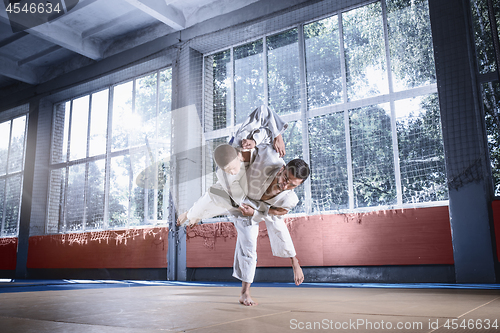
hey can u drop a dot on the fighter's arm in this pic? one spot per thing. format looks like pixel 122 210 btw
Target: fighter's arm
pixel 232 186
pixel 262 126
pixel 278 144
pixel 247 210
pixel 248 206
pixel 277 211
pixel 280 207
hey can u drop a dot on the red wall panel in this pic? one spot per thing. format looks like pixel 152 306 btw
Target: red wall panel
pixel 392 237
pixel 133 248
pixel 8 253
pixel 496 221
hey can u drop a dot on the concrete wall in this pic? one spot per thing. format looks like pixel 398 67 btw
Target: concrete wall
pixel 458 245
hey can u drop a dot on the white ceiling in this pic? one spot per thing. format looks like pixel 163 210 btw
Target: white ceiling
pixel 94 30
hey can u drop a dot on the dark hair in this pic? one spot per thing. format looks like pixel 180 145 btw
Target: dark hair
pixel 299 168
pixel 224 154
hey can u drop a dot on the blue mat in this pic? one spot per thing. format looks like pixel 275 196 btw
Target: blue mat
pixel 13 286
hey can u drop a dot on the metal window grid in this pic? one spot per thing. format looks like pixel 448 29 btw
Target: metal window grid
pixel 307 113
pixel 65 165
pixel 4 178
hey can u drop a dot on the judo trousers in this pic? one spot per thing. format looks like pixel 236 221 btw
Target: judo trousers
pixel 245 254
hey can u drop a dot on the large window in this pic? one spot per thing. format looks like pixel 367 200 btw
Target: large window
pixel 12 150
pixel 110 157
pixel 486 19
pixel 359 91
pixel 491 104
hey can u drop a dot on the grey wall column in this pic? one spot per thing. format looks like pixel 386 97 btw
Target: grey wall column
pixel 29 171
pixel 38 223
pixel 464 141
pixel 186 149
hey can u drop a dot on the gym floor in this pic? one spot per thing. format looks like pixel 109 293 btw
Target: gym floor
pixel 162 306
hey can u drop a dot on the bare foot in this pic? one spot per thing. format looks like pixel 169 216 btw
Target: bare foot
pixel 246 300
pixel 193 222
pixel 298 275
pixel 182 221
pixel 182 218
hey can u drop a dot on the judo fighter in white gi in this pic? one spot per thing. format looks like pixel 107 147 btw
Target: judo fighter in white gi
pixel 253 189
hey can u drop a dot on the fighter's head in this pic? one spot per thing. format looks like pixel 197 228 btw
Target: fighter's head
pixel 227 158
pixel 293 174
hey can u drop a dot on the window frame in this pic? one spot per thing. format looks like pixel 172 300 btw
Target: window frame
pixel 9 175
pixel 490 77
pixel 106 156
pixel 305 114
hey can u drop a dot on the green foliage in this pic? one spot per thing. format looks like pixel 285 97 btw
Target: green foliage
pixel 283 72
pixel 95 196
pixel 410 43
pixel 220 89
pixel 145 97
pixel 323 64
pixel 293 147
pixel 364 49
pixel 166 91
pixel 248 79
pixel 372 157
pixel 74 203
pixel 12 202
pixel 421 154
pixel 419 140
pixel 485 50
pixel 491 91
pixel 491 105
pixel 329 190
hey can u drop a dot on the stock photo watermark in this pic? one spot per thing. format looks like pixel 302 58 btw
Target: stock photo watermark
pixel 411 326
pixel 27 14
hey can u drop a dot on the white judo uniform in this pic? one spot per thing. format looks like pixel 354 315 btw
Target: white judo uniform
pixel 248 186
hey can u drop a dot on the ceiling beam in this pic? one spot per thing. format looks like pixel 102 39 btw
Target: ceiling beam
pixel 10 69
pixel 216 8
pixel 63 36
pixel 120 19
pixel 52 86
pixel 12 38
pixel 159 9
pixel 39 55
pixel 81 4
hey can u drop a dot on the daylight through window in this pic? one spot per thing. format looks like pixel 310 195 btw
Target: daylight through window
pixel 12 150
pixel 110 157
pixel 361 104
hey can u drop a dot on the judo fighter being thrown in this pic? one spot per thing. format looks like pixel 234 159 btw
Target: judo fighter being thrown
pixel 254 185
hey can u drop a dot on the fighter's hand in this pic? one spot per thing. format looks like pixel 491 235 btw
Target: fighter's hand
pixel 279 145
pixel 277 211
pixel 246 210
pixel 248 143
